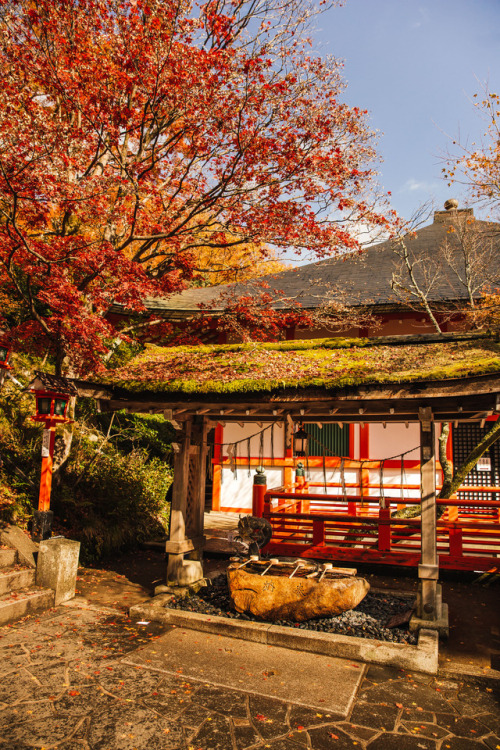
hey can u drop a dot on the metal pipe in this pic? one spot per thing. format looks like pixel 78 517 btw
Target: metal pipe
pixel 252 558
pixel 298 564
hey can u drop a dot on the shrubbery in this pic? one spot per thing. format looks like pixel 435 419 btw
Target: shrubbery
pixel 112 500
pixel 111 492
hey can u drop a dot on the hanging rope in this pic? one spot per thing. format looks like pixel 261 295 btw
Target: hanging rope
pixel 382 496
pixel 233 447
pixel 243 440
pixel 342 477
pixel 353 460
pixel 249 454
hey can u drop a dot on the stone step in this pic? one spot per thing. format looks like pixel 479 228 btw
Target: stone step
pixel 18 604
pixel 8 557
pixel 15 579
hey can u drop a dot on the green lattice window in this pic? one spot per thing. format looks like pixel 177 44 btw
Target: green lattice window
pixel 331 440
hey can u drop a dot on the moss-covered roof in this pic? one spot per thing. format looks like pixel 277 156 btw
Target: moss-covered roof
pixel 320 363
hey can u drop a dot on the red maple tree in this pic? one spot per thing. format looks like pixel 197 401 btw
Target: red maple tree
pixel 133 132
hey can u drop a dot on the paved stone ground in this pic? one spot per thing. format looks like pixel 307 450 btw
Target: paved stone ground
pixel 473 608
pixel 64 684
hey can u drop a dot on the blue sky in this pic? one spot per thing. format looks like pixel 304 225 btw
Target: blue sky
pixel 415 67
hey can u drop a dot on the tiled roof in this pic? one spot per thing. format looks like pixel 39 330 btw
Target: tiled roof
pixel 355 279
pixel 54 383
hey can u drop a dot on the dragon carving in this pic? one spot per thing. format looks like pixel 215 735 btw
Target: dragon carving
pixel 256 532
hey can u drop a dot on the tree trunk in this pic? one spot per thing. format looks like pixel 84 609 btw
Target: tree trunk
pixel 445 464
pixel 451 486
pixel 453 478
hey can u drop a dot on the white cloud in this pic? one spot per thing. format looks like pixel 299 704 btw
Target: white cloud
pixel 412 185
pixel 424 17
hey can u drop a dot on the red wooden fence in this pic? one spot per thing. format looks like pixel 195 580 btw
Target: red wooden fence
pixel 359 528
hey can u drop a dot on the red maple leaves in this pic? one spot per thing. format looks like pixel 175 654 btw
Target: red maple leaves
pixel 135 133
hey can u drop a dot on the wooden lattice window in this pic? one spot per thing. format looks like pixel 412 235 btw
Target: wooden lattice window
pixel 331 440
pixel 191 496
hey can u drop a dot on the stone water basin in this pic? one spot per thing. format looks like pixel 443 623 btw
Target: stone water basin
pixel 273 590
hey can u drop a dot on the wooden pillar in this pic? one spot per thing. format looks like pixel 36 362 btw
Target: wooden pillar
pixel 186 523
pixel 177 543
pixel 216 468
pixel 199 450
pixel 364 474
pixel 429 607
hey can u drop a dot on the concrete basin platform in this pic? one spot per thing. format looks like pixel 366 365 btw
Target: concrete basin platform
pixel 324 683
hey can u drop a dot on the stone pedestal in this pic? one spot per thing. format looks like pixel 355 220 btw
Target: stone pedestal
pixel 57 566
pixel 438 619
pixel 27 550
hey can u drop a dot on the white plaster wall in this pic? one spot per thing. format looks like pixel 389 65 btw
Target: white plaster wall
pixel 236 492
pixel 389 442
pixel 396 438
pixel 233 432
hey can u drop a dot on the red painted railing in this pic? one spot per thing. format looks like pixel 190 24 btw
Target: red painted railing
pixel 360 528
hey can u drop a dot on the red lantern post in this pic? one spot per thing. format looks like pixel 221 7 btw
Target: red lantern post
pixel 52 399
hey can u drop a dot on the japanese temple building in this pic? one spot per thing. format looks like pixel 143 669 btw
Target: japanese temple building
pixel 403 388
pixel 362 282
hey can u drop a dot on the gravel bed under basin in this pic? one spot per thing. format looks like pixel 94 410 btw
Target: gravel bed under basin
pixel 368 620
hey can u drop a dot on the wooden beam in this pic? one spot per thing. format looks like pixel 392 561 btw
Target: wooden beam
pixel 200 431
pixel 180 487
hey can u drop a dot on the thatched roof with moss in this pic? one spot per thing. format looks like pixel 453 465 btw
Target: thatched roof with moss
pixel 329 364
